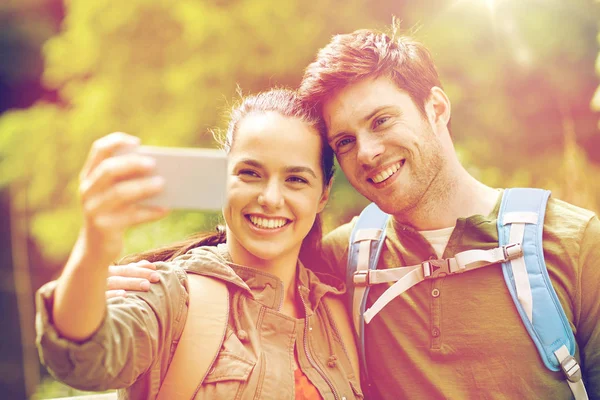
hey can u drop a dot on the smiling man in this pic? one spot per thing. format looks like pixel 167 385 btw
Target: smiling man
pixel 457 336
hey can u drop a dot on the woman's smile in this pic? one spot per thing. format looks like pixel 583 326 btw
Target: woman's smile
pixel 266 223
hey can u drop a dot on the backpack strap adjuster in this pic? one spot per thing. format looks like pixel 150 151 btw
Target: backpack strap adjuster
pixel 361 278
pixel 571 369
pixel 512 251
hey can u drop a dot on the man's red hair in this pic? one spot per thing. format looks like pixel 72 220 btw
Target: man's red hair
pixel 364 54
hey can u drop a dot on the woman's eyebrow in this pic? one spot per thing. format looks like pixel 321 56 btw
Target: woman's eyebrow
pixel 290 170
pixel 251 162
pixel 300 169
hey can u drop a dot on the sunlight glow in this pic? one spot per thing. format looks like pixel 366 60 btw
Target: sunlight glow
pixel 491 5
pixel 504 25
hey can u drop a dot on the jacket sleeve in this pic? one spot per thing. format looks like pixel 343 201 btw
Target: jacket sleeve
pixel 588 319
pixel 137 332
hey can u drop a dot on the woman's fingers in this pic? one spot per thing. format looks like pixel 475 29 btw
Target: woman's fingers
pixel 111 186
pixel 106 147
pixel 114 170
pixel 122 195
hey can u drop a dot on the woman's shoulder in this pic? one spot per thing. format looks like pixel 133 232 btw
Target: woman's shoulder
pixel 210 261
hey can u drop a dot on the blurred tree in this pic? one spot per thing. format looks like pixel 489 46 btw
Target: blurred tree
pixel 595 103
pixel 24 26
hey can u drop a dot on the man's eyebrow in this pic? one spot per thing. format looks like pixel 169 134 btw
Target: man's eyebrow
pixel 299 169
pixel 375 112
pixel 332 139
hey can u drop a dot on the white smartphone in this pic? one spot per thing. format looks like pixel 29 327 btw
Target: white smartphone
pixel 195 178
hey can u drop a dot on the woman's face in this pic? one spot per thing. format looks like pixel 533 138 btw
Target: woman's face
pixel 275 187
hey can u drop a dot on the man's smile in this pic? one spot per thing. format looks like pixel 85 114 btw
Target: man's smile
pixel 385 174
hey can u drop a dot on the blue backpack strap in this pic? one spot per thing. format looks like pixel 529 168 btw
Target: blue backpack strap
pixel 366 242
pixel 521 219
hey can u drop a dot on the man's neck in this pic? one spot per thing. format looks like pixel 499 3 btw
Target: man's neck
pixel 459 196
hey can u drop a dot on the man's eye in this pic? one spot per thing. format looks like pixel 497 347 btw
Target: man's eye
pixel 344 142
pixel 380 121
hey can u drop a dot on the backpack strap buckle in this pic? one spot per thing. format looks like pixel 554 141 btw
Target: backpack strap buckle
pixel 436 268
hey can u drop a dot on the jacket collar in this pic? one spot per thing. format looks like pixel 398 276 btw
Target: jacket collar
pixel 263 287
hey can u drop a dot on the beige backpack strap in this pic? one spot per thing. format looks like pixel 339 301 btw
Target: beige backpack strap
pixel 201 339
pixel 344 325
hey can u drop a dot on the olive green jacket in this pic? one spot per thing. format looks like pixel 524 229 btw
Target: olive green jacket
pixel 135 343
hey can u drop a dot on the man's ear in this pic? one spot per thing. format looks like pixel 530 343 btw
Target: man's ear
pixel 324 197
pixel 438 107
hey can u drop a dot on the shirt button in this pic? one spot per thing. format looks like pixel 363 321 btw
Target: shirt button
pixel 432 257
pixel 435 332
pixel 435 292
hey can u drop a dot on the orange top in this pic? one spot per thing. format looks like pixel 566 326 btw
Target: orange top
pixel 304 389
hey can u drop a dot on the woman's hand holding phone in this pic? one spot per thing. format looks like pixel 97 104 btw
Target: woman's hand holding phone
pixel 112 189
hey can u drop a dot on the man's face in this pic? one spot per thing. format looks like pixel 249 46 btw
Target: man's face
pixel 389 151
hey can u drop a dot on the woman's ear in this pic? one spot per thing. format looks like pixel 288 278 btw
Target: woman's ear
pixel 438 107
pixel 324 196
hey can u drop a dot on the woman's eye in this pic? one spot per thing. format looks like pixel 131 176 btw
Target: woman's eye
pixel 297 179
pixel 248 172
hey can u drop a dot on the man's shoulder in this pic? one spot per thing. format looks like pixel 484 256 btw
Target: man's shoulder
pixel 570 236
pixel 567 218
pixel 340 235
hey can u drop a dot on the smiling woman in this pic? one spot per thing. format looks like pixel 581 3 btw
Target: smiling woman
pixel 285 321
pixel 275 194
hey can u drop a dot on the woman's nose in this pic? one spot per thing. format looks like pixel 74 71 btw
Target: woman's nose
pixel 271 196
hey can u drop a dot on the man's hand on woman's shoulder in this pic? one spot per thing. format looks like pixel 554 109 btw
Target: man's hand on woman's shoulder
pixel 136 276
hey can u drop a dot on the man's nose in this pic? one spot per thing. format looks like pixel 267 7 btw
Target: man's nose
pixel 369 149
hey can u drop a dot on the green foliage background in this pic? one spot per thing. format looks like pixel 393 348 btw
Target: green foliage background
pixel 520 75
